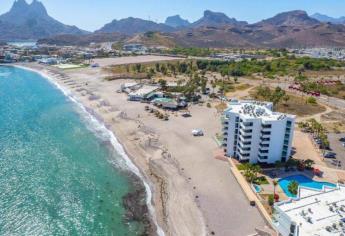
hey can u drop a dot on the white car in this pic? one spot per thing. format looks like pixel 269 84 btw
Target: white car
pixel 197 132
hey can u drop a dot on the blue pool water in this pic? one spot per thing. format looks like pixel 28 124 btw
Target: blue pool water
pixel 257 188
pixel 303 181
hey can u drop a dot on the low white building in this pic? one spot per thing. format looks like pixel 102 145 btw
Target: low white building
pixel 253 132
pixel 312 213
pixel 134 47
pixel 142 93
pixel 129 87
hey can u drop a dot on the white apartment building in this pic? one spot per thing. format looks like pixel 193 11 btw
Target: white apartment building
pixel 253 132
pixel 312 213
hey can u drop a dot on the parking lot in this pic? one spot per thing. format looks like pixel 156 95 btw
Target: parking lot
pixel 337 147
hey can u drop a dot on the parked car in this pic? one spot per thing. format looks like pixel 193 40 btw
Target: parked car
pixel 329 155
pixel 318 141
pixel 197 132
pixel 186 115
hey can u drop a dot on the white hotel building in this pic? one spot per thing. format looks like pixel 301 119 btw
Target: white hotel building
pixel 312 213
pixel 253 132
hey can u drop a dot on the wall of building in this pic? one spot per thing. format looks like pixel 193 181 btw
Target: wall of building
pixel 276 133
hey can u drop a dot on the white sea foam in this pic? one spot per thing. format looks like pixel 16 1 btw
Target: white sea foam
pixel 98 126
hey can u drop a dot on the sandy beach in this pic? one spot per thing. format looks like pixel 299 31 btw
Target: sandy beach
pixel 193 192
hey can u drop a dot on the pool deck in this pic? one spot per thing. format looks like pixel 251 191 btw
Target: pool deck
pixel 304 182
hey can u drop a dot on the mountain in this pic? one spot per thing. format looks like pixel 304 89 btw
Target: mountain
pixel 292 18
pixel 216 19
pixel 325 18
pixel 176 22
pixel 131 26
pixel 293 29
pixel 31 21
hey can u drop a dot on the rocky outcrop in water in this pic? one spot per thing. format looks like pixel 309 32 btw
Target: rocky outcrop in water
pixel 136 207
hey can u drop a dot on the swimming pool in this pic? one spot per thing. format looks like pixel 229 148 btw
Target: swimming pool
pixel 303 181
pixel 257 188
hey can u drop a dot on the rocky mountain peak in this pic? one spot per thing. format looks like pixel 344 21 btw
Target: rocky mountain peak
pixel 292 18
pixel 211 18
pixel 176 21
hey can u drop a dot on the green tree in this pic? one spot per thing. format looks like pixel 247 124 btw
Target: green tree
pixel 158 68
pixel 164 69
pixel 271 200
pixel 311 100
pixel 293 187
pixel 251 172
pixel 163 84
pixel 277 96
pixel 138 68
pixel 309 164
pixel 286 98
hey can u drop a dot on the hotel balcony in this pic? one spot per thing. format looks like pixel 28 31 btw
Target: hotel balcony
pixel 265 129
pixel 244 151
pixel 246 127
pixel 245 138
pixel 264 145
pixel 242 157
pixel 265 140
pixel 244 144
pixel 262 158
pixel 265 134
pixel 263 151
pixel 246 132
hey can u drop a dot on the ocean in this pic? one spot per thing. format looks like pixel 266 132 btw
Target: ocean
pixel 59 172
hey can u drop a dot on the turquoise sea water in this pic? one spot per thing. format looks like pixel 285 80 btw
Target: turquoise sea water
pixel 58 173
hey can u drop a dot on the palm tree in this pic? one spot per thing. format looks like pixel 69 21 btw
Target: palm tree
pixel 275 183
pixel 309 164
pixel 251 172
pixel 293 187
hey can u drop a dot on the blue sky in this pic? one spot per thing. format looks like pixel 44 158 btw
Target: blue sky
pixel 93 14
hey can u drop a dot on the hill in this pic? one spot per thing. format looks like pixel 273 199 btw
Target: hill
pixel 31 21
pixel 326 19
pixel 216 19
pixel 176 22
pixel 131 26
pixel 292 29
pixel 289 29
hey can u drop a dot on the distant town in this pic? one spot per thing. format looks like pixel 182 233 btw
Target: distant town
pixel 13 52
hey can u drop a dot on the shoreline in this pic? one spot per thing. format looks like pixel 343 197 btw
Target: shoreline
pixel 193 192
pixel 134 171
pixel 155 176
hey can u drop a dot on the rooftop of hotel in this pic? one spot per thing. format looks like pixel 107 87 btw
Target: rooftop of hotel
pixel 256 109
pixel 317 212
